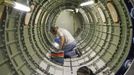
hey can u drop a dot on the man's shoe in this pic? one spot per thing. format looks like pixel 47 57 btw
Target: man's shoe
pixel 78 52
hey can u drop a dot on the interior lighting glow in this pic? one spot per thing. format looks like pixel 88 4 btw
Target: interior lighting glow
pixel 87 3
pixel 21 7
pixel 70 10
pixel 77 10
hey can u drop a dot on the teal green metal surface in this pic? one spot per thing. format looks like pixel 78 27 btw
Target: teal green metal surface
pixel 23 48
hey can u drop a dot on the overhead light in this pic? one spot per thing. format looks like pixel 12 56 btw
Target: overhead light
pixel 21 7
pixel 87 3
pixel 17 5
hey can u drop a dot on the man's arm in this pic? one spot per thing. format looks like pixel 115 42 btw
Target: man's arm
pixel 62 40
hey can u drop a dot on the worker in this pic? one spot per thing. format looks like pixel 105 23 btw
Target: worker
pixel 66 42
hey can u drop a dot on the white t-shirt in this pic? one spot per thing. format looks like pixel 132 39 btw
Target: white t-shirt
pixel 66 34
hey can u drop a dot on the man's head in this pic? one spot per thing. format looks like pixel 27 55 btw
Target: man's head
pixel 53 30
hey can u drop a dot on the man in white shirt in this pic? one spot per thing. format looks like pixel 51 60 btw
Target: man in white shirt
pixel 67 41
